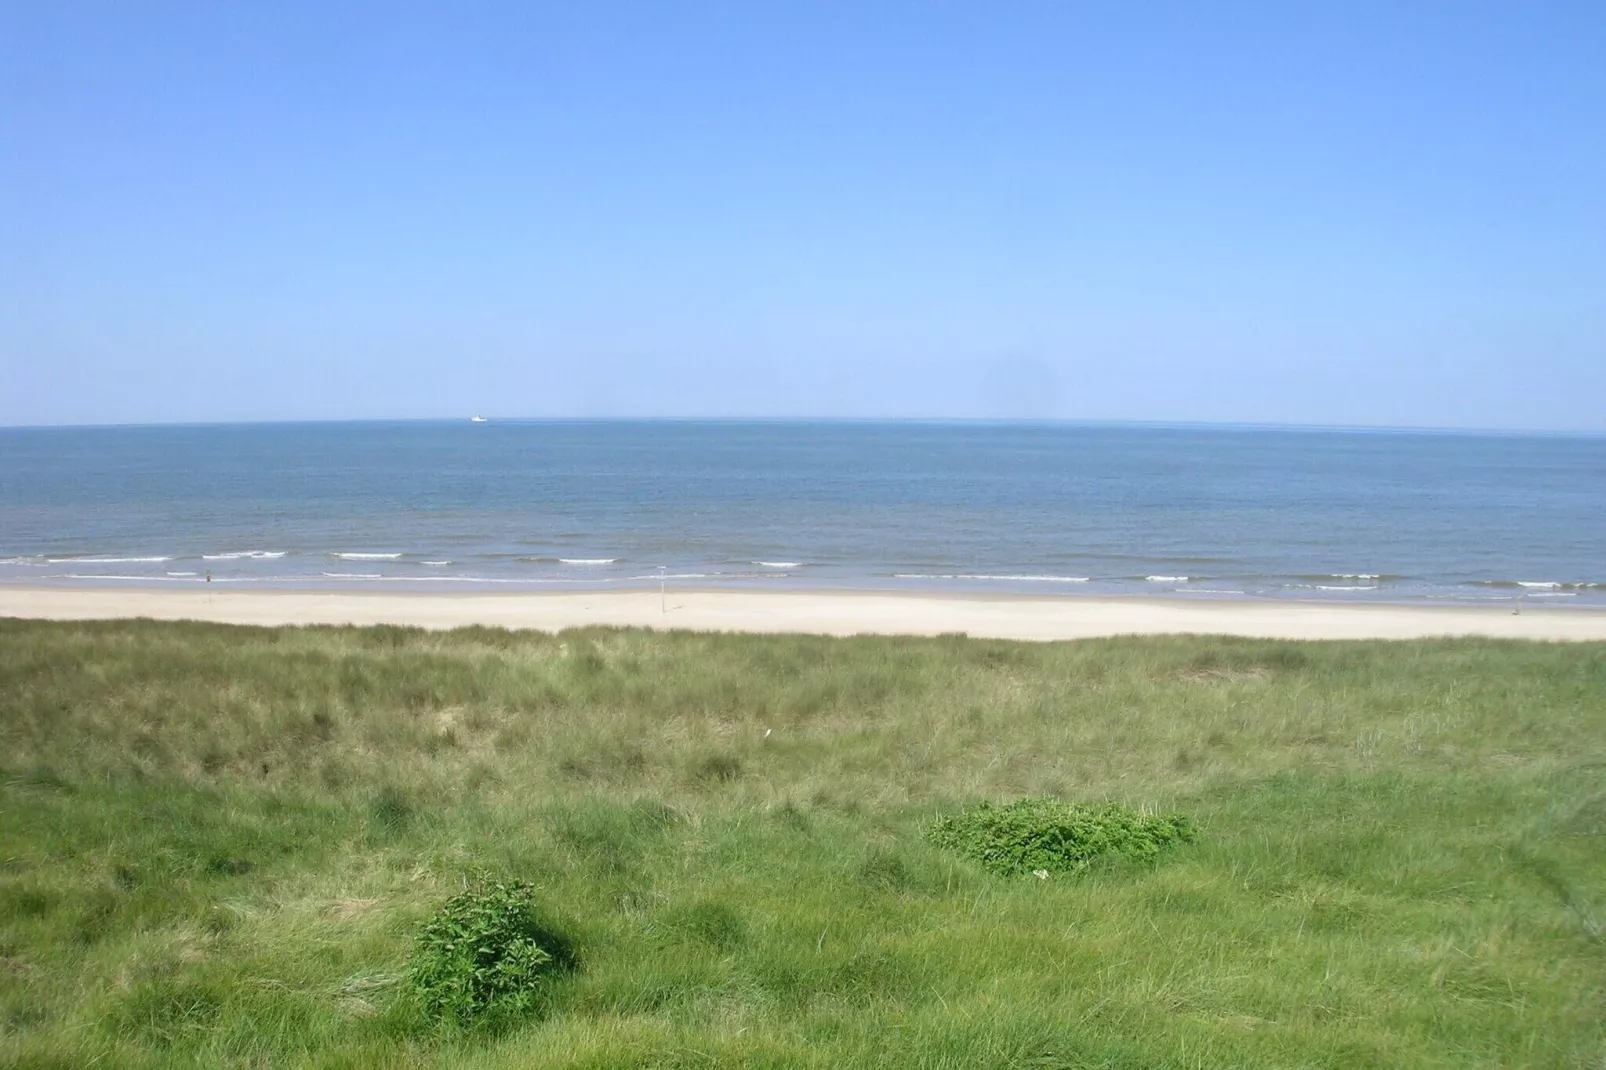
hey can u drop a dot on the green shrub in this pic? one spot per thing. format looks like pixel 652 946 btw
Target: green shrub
pixel 485 955
pixel 1047 836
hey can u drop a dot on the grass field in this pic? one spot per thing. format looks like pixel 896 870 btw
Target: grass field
pixel 217 844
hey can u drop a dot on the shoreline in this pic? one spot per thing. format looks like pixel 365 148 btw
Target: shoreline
pixel 838 613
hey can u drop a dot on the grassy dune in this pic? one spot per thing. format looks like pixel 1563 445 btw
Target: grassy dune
pixel 217 843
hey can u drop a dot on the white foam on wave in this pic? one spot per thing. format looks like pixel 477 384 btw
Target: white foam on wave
pixel 1539 585
pixel 31 562
pixel 1357 576
pixel 1216 590
pixel 1345 587
pixel 365 556
pixel 777 564
pixel 181 574
pixel 521 581
pixel 437 564
pixel 1166 579
pixel 1013 578
pixel 236 555
pixel 106 560
pixel 988 576
pixel 587 560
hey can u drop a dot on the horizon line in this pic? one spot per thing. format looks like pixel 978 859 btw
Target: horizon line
pixel 1225 425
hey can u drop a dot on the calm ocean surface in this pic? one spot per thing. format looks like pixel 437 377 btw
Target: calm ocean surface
pixel 1033 508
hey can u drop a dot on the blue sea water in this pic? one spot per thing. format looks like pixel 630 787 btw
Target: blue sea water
pixel 1062 509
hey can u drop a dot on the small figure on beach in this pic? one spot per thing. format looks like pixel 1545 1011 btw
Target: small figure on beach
pixel 208 575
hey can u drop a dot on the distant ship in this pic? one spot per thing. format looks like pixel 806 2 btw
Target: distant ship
pixel 476 419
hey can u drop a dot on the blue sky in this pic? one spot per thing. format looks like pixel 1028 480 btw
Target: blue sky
pixel 1356 213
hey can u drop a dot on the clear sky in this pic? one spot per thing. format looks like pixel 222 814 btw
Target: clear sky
pixel 1383 213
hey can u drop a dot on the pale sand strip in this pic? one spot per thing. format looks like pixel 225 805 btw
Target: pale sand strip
pixel 824 613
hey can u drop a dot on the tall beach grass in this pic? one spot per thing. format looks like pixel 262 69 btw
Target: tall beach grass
pixel 217 844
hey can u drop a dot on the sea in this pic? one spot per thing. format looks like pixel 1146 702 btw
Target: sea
pixel 1048 509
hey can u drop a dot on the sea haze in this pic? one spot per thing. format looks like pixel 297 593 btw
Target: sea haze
pixel 1053 509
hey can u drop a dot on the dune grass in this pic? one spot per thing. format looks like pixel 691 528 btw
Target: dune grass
pixel 218 843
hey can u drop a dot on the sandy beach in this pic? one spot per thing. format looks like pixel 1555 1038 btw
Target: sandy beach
pixel 823 613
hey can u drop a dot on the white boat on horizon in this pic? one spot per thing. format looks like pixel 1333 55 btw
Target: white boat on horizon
pixel 477 420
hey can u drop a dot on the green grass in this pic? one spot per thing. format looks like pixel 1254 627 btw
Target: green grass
pixel 217 845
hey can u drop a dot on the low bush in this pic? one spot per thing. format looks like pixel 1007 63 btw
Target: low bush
pixel 1044 836
pixel 485 955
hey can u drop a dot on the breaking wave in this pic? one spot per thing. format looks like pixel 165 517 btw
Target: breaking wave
pixel 107 561
pixel 996 578
pixel 1539 585
pixel 701 576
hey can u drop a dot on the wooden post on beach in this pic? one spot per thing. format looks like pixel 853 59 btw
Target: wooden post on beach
pixel 663 599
